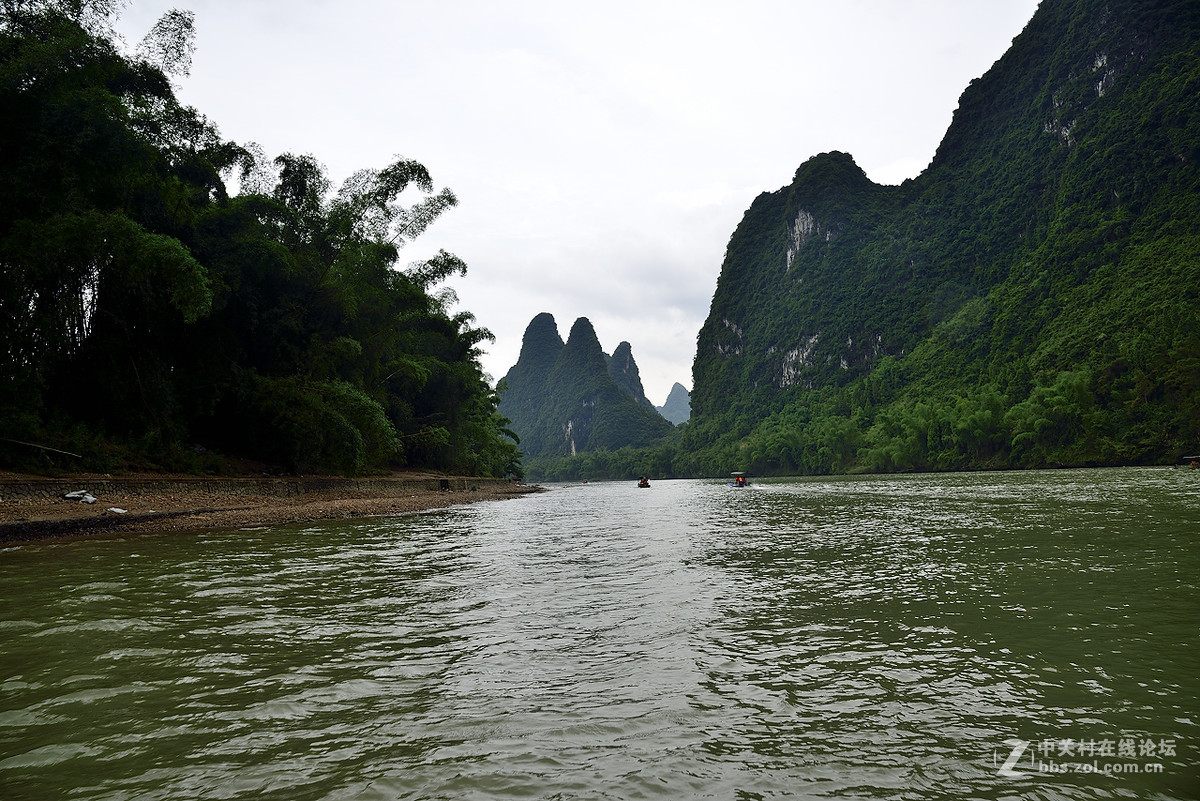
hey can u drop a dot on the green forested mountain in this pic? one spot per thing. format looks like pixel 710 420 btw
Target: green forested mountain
pixel 523 390
pixel 1029 300
pixel 152 316
pixel 567 399
pixel 624 372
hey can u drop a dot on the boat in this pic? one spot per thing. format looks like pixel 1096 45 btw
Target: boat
pixel 644 483
pixel 739 480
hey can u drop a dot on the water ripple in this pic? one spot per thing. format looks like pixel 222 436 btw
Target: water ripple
pixel 879 637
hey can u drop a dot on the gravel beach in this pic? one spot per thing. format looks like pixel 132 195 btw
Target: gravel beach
pixel 180 503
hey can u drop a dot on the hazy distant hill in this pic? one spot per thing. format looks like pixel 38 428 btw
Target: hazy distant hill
pixel 569 398
pixel 677 407
pixel 1029 299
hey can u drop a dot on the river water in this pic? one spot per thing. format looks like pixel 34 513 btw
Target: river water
pixel 992 636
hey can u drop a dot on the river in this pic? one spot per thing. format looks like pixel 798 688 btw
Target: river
pixel 988 635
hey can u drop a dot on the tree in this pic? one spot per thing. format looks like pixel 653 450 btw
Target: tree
pixel 141 300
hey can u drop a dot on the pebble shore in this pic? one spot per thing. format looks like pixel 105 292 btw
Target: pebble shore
pixel 25 519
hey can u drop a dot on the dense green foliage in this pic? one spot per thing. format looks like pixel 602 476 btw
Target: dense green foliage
pixel 1030 300
pixel 624 371
pixel 148 314
pixel 572 398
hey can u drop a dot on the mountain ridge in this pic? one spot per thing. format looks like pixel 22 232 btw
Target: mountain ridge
pixel 1029 300
pixel 1001 308
pixel 565 399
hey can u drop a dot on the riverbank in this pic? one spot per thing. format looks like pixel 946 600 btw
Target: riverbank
pixel 34 508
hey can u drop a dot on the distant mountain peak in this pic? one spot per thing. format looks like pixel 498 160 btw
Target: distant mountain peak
pixel 677 408
pixel 541 337
pixel 624 371
pixel 574 402
pixel 583 337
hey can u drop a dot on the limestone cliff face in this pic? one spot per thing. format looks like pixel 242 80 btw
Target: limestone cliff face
pixel 564 398
pixel 779 318
pixel 1070 172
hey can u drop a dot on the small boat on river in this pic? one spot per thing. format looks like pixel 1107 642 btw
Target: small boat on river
pixel 739 480
pixel 644 483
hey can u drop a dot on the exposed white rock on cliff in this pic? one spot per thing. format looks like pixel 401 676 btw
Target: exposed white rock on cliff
pixel 733 349
pixel 795 360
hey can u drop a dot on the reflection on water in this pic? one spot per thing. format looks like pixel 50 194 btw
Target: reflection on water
pixel 879 637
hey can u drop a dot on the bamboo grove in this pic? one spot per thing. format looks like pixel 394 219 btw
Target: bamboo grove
pixel 172 299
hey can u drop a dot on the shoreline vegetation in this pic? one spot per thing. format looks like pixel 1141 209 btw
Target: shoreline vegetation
pixel 36 508
pixel 172 298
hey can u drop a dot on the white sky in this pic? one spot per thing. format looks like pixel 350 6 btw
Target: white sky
pixel 602 153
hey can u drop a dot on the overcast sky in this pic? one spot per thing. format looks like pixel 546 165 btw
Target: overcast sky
pixel 602 152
